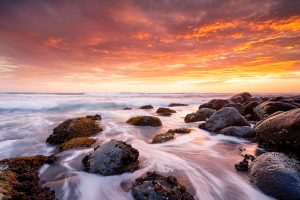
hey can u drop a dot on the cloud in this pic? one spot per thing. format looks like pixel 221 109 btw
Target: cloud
pixel 148 41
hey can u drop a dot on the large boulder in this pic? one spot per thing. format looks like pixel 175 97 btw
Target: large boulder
pixel 250 106
pixel 276 175
pixel 206 112
pixel 281 132
pixel 241 97
pixel 239 131
pixel 267 108
pixel 144 121
pixel 201 115
pixel 73 128
pixel 165 111
pixel 237 106
pixel 215 104
pixel 111 158
pixel 224 118
pixel 19 178
pixel 194 117
pixel 157 187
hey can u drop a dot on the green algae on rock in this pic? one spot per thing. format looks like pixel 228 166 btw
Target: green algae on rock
pixel 73 128
pixel 20 180
pixel 144 121
pixel 77 143
pixel 156 186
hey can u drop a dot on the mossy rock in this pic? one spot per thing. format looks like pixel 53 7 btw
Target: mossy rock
pixel 180 130
pixel 144 121
pixel 20 180
pixel 156 186
pixel 163 137
pixel 74 128
pixel 165 111
pixel 77 143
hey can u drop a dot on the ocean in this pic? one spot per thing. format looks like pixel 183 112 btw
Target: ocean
pixel 202 161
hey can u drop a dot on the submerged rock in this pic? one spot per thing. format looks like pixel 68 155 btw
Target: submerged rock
pixel 77 143
pixel 144 121
pixel 237 106
pixel 244 164
pixel 127 108
pixel 146 107
pixel 157 187
pixel 111 158
pixel 215 104
pixel 177 104
pixel 169 135
pixel 20 180
pixel 281 132
pixel 165 111
pixel 73 128
pixel 239 131
pixel 267 108
pixel 180 130
pixel 224 118
pixel 276 175
pixel 163 137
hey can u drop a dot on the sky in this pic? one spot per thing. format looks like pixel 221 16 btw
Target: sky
pixel 150 46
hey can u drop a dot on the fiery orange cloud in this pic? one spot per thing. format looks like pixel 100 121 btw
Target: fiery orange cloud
pixel 150 46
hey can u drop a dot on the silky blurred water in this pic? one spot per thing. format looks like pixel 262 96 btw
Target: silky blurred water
pixel 202 161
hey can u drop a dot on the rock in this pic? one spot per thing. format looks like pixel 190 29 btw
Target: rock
pixel 237 106
pixel 250 106
pixel 193 117
pixel 163 137
pixel 244 164
pixel 180 130
pixel 165 111
pixel 267 108
pixel 241 97
pixel 20 180
pixel 281 132
pixel 77 143
pixel 94 117
pixel 127 108
pixel 144 121
pixel 202 126
pixel 169 135
pixel 177 104
pixel 201 115
pixel 239 131
pixel 224 118
pixel 215 104
pixel 73 128
pixel 146 107
pixel 276 175
pixel 206 112
pixel 157 187
pixel 111 158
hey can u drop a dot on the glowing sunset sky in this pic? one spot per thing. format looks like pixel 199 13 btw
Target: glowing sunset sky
pixel 149 46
